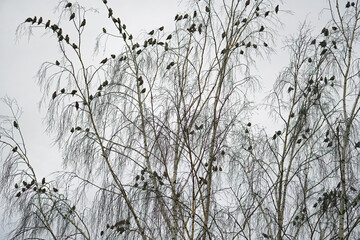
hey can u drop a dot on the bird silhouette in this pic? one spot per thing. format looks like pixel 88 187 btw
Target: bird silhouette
pixel 29 19
pixel 161 28
pixel 104 30
pixel 40 20
pixel 83 23
pixel 62 90
pixel 195 14
pixel 261 28
pixel 110 12
pixel 347 5
pixel 54 95
pixel 68 5
pixel 104 61
pixel 57 63
pixel 67 39
pixel 16 125
pixel 34 20
pixel 277 9
pixel 73 92
pixel 151 32
pixel 72 16
pixel 74 46
pixel 143 90
pixel 247 3
pixel 169 37
pixel 267 13
pixel 207 9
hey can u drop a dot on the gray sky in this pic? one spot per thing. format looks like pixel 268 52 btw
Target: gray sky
pixel 21 58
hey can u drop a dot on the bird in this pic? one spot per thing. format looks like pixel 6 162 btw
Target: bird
pixel 83 23
pixel 15 149
pixel 322 43
pixel 16 125
pixel 54 95
pixel 267 13
pixel 195 14
pixel 143 90
pixel 261 28
pixel 151 32
pixel 223 35
pixel 277 9
pixel 29 19
pixel 161 28
pixel 113 56
pixel 104 61
pixel 249 124
pixel 18 194
pixel 207 9
pixel 73 92
pixel 67 39
pixel 265 44
pixel 62 90
pixel 186 16
pixel 43 181
pixel 290 89
pixel 309 60
pixel 169 37
pixel 34 20
pixel 104 30
pixel 247 3
pixel 74 46
pixel 323 51
pixel 40 20
pixel 105 83
pixel 55 189
pixel 110 12
pixel 68 5
pixel 72 16
pixel 347 5
pixel 47 24
pixel 57 63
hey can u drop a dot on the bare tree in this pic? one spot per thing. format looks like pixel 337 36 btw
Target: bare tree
pixel 156 140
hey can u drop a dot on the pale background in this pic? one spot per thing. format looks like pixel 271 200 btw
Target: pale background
pixel 21 58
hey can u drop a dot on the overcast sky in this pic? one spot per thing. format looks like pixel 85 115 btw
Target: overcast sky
pixel 21 58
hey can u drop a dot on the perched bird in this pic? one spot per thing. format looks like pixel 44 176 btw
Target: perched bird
pixel 161 28
pixel 290 89
pixel 73 92
pixel 47 24
pixel 68 5
pixel 186 16
pixel 18 194
pixel 207 9
pixel 72 16
pixel 104 30
pixel 267 13
pixel 62 90
pixel 247 3
pixel 55 189
pixel 265 44
pixel 261 28
pixel 347 5
pixel 83 23
pixel 57 63
pixel 78 128
pixel 72 130
pixel 322 43
pixel 74 46
pixel 169 37
pixel 143 91
pixel 277 9
pixel 54 95
pixel 16 185
pixel 34 20
pixel 104 61
pixel 16 125
pixel 105 83
pixel 323 51
pixel 248 124
pixel 151 32
pixel 67 39
pixel 110 12
pixel 334 28
pixel 113 56
pixel 43 181
pixel 195 14
pixel 223 35
pixel 29 19
pixel 40 20
pixel 15 149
